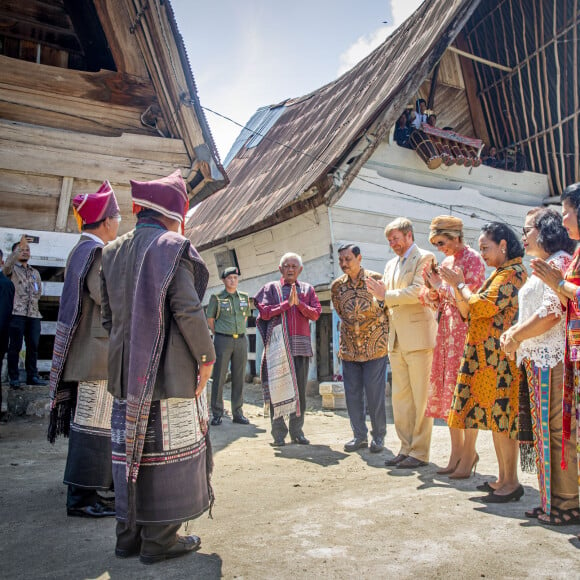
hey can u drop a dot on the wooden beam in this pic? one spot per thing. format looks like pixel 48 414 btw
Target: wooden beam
pixel 116 24
pixel 479 59
pixel 116 88
pixel 55 160
pixel 144 147
pixel 431 98
pixel 63 204
pixel 475 109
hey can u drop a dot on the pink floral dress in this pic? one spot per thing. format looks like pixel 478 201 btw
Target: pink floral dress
pixel 451 331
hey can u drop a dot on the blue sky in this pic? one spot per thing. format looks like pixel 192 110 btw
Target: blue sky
pixel 249 53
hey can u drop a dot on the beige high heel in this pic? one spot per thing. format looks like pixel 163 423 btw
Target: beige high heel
pixel 447 470
pixel 473 469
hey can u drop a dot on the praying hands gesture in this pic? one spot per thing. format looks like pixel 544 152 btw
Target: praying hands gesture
pixel 293 299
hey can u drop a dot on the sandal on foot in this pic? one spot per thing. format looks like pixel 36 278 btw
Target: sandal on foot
pixel 558 517
pixel 537 511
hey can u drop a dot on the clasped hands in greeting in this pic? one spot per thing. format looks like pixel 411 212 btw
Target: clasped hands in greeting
pixel 293 299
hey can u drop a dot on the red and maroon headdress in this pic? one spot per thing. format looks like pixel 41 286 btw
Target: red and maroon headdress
pixel 167 195
pixel 90 208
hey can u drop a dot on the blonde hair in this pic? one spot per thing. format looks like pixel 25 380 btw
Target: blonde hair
pixel 403 224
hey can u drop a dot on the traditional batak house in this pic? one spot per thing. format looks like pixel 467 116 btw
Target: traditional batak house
pixel 91 90
pixel 313 172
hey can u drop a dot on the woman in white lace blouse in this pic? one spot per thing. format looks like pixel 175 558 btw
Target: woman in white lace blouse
pixel 540 341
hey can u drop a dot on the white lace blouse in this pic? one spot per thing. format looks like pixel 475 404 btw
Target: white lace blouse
pixel 534 297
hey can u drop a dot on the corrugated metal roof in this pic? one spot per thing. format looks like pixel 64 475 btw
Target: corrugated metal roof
pixel 287 172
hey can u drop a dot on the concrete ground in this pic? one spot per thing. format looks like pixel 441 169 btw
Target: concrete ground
pixel 291 512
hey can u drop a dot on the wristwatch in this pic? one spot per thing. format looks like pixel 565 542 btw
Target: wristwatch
pixel 460 286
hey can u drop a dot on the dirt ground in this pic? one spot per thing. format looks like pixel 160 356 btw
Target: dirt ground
pixel 291 512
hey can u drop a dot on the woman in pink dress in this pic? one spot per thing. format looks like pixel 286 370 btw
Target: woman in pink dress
pixel 446 233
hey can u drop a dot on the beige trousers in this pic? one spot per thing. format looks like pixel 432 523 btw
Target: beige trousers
pixel 411 371
pixel 564 483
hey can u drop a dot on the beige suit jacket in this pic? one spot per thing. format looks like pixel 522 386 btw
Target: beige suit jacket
pixel 412 326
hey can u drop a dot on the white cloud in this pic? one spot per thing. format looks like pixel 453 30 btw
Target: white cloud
pixel 363 46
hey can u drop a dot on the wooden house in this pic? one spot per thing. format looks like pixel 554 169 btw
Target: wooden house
pixel 313 172
pixel 92 90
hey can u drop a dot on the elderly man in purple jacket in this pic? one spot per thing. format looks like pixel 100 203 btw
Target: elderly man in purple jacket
pixel 286 308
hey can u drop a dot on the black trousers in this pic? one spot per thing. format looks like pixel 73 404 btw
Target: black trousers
pixel 295 423
pixel 23 327
pixel 3 348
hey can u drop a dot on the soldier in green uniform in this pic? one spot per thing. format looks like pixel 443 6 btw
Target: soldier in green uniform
pixel 227 314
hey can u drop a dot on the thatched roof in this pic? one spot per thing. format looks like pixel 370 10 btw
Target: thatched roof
pixel 287 171
pixel 315 145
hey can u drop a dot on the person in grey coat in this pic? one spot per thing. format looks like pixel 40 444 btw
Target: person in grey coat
pixel 78 377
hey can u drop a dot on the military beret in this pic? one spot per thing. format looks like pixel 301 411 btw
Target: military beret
pixel 228 271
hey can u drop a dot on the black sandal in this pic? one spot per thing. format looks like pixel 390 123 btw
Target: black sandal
pixel 558 517
pixel 216 421
pixel 538 511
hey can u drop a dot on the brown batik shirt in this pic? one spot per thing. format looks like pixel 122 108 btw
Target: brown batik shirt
pixel 27 287
pixel 364 327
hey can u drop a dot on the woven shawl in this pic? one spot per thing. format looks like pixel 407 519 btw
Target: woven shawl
pixel 155 271
pixel 572 354
pixel 63 394
pixel 281 405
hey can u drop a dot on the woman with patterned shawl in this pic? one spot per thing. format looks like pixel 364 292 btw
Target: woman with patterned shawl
pixel 446 233
pixel 486 394
pixel 568 289
pixel 539 339
pixel 78 377
pixel 160 358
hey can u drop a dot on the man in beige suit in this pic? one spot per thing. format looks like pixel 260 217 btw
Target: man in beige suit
pixel 412 329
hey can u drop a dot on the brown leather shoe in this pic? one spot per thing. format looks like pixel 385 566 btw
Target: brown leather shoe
pixel 411 463
pixel 396 460
pixel 184 545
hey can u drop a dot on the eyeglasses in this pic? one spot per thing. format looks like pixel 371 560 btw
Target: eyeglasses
pixel 526 231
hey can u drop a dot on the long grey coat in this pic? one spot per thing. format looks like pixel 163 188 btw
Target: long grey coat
pixel 87 356
pixel 187 339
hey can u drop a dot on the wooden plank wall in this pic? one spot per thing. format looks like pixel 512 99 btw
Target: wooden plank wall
pixel 103 103
pixel 35 161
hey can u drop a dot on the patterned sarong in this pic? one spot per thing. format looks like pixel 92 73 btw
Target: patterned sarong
pixel 539 390
pixel 154 272
pixel 277 371
pixel 89 451
pixel 172 485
